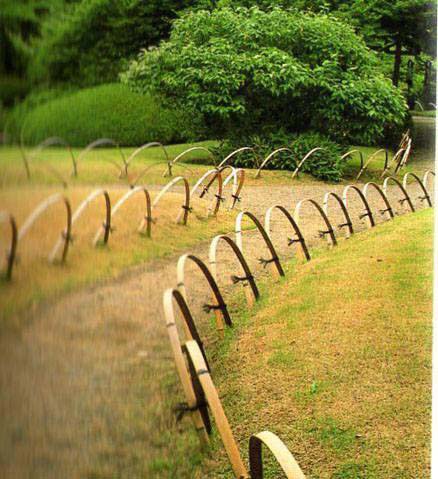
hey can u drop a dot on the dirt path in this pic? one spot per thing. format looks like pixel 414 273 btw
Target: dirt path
pixel 83 384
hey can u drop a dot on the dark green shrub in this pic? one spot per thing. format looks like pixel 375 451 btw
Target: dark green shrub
pixel 12 89
pixel 245 68
pixel 111 111
pixel 90 42
pixel 324 165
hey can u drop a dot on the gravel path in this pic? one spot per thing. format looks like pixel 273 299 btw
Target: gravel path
pixel 84 383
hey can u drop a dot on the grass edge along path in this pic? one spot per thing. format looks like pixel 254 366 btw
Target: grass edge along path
pixel 336 359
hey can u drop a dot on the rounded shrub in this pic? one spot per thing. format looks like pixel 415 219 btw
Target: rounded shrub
pixel 111 111
pixel 324 164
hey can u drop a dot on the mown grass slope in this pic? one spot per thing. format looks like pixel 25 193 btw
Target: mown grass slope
pixel 337 359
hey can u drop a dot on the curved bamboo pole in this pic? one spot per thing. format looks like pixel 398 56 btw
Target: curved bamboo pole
pixel 350 154
pixel 347 223
pixel 138 151
pixel 234 153
pixel 220 307
pixel 265 161
pixel 252 294
pixel 308 155
pixel 406 199
pixel 426 196
pixel 219 198
pixel 404 159
pixel 329 232
pixel 78 213
pixel 388 208
pixel 427 173
pixel 194 403
pixel 101 142
pixel 299 237
pixel 10 254
pixel 239 175
pixel 39 210
pixel 368 213
pixel 280 452
pixel 52 141
pixel 185 208
pixel 370 159
pixel 200 369
pixel 172 163
pixel 397 158
pixel 274 260
pixel 146 220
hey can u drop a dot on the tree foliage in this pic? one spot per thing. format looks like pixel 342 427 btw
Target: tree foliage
pixel 242 68
pixel 90 42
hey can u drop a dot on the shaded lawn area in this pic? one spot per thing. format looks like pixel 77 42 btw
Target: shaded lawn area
pixel 336 359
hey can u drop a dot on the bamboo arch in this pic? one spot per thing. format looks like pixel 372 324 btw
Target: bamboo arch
pixel 247 279
pixel 427 173
pixel 280 452
pixel 388 208
pixel 39 210
pixel 186 209
pixel 426 196
pixel 308 155
pixel 195 400
pixel 78 213
pixel 277 269
pixel 173 162
pixel 220 307
pixel 136 152
pixel 101 142
pixel 397 158
pixel 234 153
pixel 10 254
pixel 201 376
pixel 238 177
pixel 331 239
pixel 53 141
pixel 350 154
pixel 406 198
pixel 265 161
pixel 368 213
pixel 370 159
pixel 219 198
pixel 146 220
pixel 347 223
pixel 299 237
pixel 404 159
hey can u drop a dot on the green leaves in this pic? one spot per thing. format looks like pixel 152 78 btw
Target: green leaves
pixel 245 68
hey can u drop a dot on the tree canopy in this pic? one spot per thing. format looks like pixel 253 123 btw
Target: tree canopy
pixel 242 68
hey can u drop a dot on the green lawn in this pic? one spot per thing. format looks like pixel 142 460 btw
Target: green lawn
pixel 52 165
pixel 336 359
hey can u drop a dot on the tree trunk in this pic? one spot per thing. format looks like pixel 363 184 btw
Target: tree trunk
pixel 397 62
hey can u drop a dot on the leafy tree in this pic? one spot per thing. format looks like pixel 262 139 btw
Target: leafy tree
pixel 88 44
pixel 397 27
pixel 245 68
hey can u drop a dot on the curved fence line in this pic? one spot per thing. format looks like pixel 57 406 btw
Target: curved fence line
pixel 265 161
pixel 219 307
pixel 301 163
pixel 234 153
pixel 274 260
pixel 246 280
pixel 365 165
pixel 146 220
pixel 425 196
pixel 388 208
pixel 299 238
pixel 78 213
pixel 347 223
pixel 406 198
pixel 329 233
pixel 368 213
pixel 122 168
pixel 173 162
pixel 39 210
pixel 11 251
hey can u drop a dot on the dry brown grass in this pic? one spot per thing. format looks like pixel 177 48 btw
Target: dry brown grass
pixel 337 359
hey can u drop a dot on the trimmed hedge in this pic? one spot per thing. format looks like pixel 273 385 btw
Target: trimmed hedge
pixel 325 164
pixel 110 111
